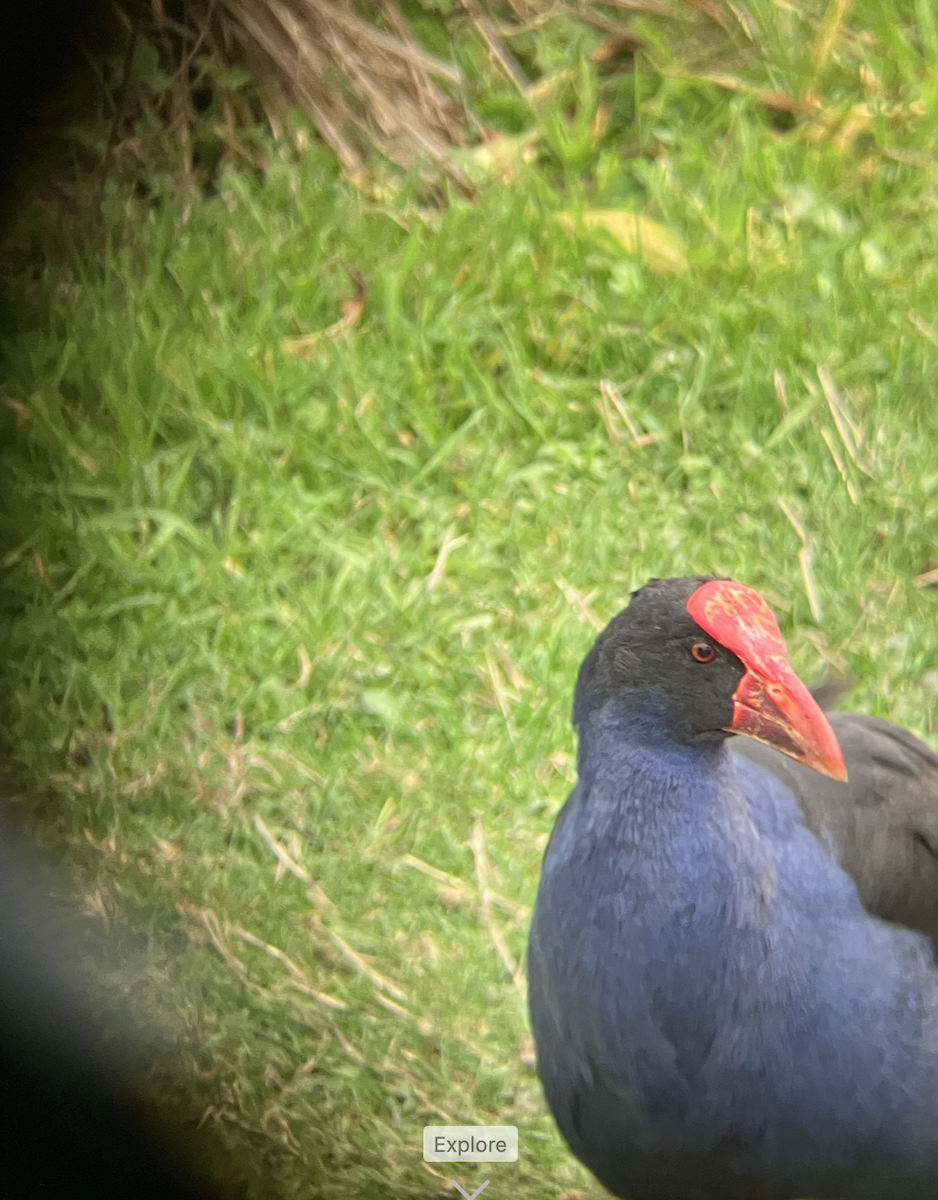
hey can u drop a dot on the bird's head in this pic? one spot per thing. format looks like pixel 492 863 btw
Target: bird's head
pixel 712 651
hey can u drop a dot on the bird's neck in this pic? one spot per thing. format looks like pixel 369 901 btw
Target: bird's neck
pixel 638 733
pixel 653 804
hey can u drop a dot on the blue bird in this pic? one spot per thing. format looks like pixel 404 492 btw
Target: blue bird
pixel 717 1014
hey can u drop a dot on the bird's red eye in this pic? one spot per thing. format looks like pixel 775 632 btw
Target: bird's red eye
pixel 702 652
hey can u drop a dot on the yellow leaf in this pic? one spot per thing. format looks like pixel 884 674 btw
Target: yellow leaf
pixel 657 246
pixel 499 157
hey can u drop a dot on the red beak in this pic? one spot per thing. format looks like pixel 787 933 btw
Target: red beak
pixel 771 704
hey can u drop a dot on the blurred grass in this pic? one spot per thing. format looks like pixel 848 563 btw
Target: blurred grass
pixel 292 605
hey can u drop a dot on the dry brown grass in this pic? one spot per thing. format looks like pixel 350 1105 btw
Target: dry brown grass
pixel 357 71
pixel 362 85
pixel 159 68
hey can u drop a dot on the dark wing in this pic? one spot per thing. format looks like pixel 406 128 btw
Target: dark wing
pixel 882 825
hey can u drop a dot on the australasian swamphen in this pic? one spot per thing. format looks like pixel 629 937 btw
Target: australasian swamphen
pixel 717 1015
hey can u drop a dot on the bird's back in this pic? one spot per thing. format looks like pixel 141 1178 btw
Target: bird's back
pixel 882 824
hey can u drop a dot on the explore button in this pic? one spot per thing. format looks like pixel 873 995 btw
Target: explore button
pixel 470 1143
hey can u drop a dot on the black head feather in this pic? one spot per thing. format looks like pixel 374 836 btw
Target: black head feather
pixel 646 650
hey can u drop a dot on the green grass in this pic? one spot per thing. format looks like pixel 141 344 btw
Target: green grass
pixel 226 605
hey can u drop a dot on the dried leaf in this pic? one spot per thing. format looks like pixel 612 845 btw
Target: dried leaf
pixel 22 412
pixel 658 247
pixel 778 101
pixel 42 572
pixel 499 156
pixel 305 345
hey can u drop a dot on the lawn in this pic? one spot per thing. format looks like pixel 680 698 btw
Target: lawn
pixel 314 495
